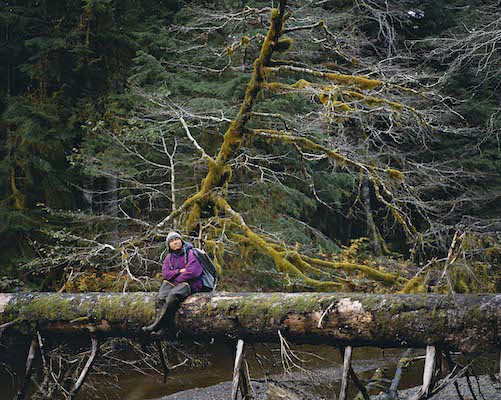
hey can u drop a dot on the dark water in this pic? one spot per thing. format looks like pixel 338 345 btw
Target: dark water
pixel 211 364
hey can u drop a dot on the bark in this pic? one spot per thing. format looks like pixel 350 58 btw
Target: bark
pixel 469 323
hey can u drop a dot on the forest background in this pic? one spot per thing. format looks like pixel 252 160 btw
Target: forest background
pixel 369 158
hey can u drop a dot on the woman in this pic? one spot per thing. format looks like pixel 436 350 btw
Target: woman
pixel 182 274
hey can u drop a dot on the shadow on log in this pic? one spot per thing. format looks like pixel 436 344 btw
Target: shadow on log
pixel 469 323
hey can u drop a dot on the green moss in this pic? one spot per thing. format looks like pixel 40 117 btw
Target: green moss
pixel 283 45
pixel 395 174
pixel 47 308
pixel 305 305
pixel 259 312
pixel 42 309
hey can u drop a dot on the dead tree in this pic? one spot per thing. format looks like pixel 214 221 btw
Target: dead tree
pixel 469 323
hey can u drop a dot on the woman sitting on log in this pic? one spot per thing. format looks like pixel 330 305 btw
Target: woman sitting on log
pixel 182 274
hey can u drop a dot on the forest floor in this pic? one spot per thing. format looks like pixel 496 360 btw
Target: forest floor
pixel 485 388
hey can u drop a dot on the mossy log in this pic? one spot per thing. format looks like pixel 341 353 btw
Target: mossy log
pixel 470 323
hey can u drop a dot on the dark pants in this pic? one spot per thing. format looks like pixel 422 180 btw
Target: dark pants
pixel 172 295
pixel 168 300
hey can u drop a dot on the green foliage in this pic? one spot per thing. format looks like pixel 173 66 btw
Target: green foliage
pixel 189 84
pixel 14 225
pixel 147 69
pixel 285 104
pixel 8 285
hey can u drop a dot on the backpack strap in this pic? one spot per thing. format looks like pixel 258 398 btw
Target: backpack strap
pixel 186 251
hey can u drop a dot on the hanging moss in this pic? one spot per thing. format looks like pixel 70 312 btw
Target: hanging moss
pixel 194 216
pixel 19 199
pixel 283 45
pixel 301 84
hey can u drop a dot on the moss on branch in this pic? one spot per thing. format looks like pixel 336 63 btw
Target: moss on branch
pixel 383 277
pixel 279 258
pixel 361 82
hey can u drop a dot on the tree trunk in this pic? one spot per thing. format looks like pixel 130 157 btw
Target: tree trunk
pixel 470 323
pixel 371 226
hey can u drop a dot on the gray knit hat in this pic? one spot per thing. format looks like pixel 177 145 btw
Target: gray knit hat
pixel 173 235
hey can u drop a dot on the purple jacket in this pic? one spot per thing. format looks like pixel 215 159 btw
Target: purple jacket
pixel 193 273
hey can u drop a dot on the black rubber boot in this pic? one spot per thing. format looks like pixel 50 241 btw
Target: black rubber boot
pixel 155 325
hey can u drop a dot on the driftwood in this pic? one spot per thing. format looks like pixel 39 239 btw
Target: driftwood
pixel 428 374
pixel 469 323
pixel 241 377
pixel 343 393
pixel 398 374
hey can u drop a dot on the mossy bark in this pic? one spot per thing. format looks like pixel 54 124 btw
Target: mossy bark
pixel 470 323
pixel 219 170
pixel 19 199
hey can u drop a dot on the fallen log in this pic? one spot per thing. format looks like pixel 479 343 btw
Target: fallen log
pixel 469 323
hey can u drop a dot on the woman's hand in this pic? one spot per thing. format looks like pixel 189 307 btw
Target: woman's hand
pixel 182 270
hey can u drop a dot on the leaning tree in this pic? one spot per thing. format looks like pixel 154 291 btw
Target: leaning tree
pixel 326 109
pixel 365 125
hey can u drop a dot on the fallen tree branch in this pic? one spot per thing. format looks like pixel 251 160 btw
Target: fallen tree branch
pixel 85 370
pixel 27 372
pixel 469 323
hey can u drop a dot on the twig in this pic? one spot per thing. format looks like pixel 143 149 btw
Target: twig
pixel 193 140
pixel 85 370
pixel 324 314
pixel 165 368
pixel 7 324
pixel 27 373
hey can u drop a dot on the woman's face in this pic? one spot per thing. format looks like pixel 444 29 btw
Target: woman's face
pixel 175 244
